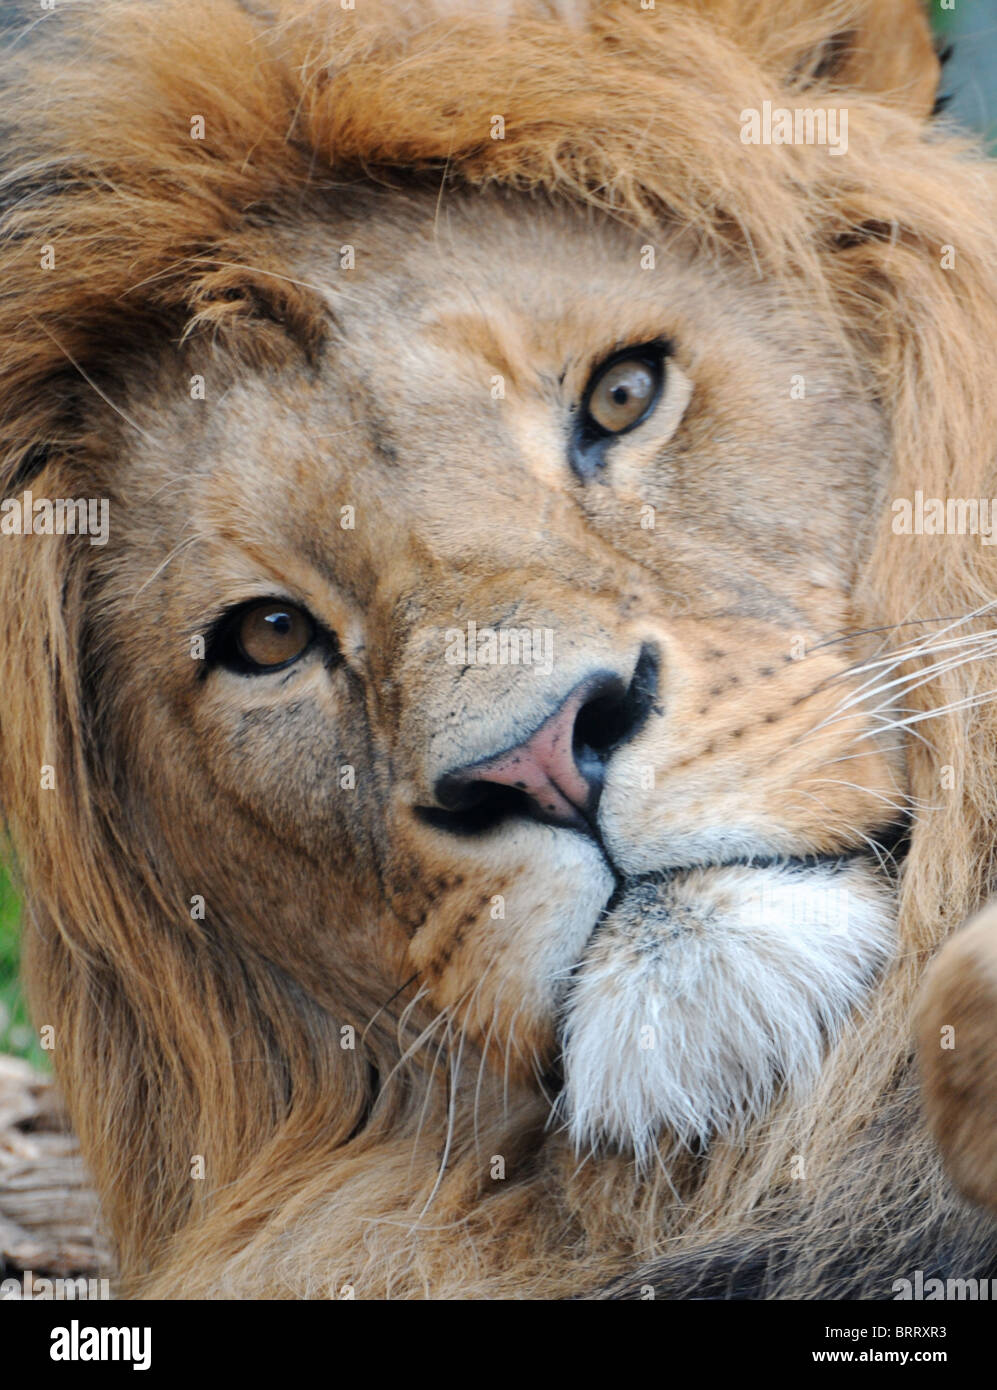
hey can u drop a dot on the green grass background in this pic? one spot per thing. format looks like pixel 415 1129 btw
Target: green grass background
pixel 16 1033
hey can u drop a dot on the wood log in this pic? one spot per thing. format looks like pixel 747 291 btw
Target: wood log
pixel 49 1214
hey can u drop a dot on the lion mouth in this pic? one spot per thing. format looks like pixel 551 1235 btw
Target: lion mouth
pixel 886 849
pixel 706 991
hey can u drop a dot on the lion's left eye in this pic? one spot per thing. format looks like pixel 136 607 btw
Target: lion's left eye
pixel 264 636
pixel 624 391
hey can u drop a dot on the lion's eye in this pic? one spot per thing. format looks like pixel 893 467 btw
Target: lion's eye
pixel 624 391
pixel 274 634
pixel 265 636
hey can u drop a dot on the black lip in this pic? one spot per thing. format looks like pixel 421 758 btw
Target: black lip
pixel 829 859
pixel 892 843
pixel 626 884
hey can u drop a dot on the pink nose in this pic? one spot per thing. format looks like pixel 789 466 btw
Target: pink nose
pixel 556 773
pixel 545 768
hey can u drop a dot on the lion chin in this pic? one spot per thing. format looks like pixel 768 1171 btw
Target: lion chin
pixel 704 993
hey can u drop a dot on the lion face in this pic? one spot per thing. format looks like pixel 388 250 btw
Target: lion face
pixel 530 670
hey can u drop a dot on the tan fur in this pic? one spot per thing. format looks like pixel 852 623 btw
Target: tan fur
pixel 372 1167
pixel 958 1055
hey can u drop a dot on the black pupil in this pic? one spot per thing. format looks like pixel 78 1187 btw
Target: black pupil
pixel 620 395
pixel 280 621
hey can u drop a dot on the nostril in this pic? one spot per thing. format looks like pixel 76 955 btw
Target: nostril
pixel 460 793
pixel 615 713
pixel 556 774
pixel 601 720
pixel 473 807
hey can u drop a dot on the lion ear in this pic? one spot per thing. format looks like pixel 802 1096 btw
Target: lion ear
pixel 882 48
pixel 258 312
pixel 890 52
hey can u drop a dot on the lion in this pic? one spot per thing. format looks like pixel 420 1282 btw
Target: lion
pixel 487 799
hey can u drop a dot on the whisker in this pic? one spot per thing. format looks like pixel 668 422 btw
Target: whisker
pixel 905 684
pixel 451 1123
pixel 177 550
pixel 869 791
pixel 967 703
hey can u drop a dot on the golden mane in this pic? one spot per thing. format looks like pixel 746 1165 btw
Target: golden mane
pixel 153 232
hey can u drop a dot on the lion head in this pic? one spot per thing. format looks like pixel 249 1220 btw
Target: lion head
pixel 486 798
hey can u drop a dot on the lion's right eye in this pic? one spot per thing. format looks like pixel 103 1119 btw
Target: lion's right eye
pixel 624 390
pixel 263 636
pixel 622 396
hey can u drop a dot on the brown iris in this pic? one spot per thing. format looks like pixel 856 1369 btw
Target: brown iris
pixel 273 634
pixel 623 394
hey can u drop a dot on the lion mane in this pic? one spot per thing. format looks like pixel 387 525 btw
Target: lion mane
pixel 330 1166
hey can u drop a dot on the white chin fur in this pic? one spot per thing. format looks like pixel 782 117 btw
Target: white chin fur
pixel 706 995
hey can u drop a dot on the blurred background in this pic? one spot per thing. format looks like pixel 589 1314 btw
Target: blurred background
pixel 970 80
pixel 971 72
